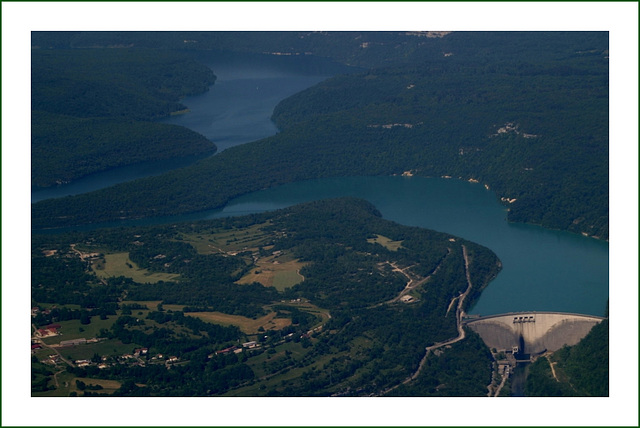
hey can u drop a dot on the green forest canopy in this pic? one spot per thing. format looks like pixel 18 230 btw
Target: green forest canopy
pixel 525 113
pixel 369 341
pixel 92 110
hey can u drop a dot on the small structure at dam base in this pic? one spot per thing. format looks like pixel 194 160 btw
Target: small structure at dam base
pixel 520 337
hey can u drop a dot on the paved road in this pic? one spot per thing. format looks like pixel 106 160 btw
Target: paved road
pixel 459 315
pixel 44 345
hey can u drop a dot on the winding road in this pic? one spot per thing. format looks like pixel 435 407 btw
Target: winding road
pixel 459 315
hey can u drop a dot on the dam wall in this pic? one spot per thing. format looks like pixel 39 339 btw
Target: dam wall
pixel 532 332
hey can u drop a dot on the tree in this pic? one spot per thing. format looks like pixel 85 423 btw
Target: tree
pixel 85 318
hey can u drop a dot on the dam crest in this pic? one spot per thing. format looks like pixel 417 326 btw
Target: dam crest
pixel 532 332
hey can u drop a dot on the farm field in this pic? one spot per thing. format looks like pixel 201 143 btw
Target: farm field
pixel 73 329
pixel 273 273
pixel 151 305
pixel 67 385
pixel 247 325
pixel 228 241
pixel 110 347
pixel 119 264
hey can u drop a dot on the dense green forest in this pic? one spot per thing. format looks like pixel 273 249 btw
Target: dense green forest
pixel 524 113
pixel 92 110
pixel 345 330
pixel 580 370
pixel 64 148
pixel 464 370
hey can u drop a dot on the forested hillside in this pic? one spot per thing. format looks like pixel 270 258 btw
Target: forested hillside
pixel 370 296
pixel 579 370
pixel 92 109
pixel 325 298
pixel 524 113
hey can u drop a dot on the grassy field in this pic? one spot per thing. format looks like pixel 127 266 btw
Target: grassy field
pixel 151 305
pixel 104 348
pixel 67 384
pixel 73 329
pixel 279 271
pixel 276 380
pixel 286 279
pixel 272 272
pixel 228 241
pixel 247 325
pixel 119 264
pixel 386 242
pixel 108 386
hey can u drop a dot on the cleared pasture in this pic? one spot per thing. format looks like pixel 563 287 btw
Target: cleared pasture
pixel 111 347
pixel 228 240
pixel 388 243
pixel 152 305
pixel 119 264
pixel 245 324
pixel 271 272
pixel 74 329
pixel 108 386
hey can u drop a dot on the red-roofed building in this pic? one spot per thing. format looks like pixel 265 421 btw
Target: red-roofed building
pixel 226 350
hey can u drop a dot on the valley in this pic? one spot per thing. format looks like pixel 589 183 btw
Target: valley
pixel 327 297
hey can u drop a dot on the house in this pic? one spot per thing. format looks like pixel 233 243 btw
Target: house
pixel 226 350
pixel 140 351
pixel 46 332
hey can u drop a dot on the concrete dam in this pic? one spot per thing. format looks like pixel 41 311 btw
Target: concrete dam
pixel 532 332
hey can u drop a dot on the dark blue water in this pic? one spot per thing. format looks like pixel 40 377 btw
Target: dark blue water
pixel 113 176
pixel 237 109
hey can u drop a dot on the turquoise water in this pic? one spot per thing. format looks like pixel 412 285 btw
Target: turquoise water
pixel 543 270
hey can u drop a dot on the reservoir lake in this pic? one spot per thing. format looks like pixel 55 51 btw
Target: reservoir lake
pixel 236 110
pixel 543 270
